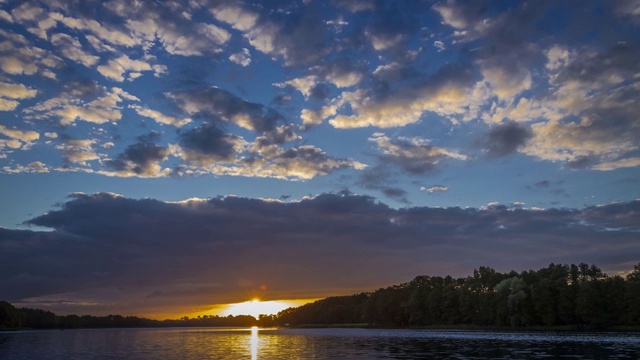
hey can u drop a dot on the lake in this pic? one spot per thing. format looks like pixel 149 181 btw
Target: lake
pixel 227 343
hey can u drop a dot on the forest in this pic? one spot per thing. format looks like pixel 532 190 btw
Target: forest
pixel 24 318
pixel 570 296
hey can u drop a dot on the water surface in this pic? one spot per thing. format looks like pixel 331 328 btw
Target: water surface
pixel 244 343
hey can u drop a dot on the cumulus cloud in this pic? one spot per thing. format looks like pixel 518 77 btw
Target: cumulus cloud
pixel 300 38
pixel 71 48
pixel 216 104
pixel 507 138
pixel 12 92
pixel 142 159
pixel 102 31
pixel 307 162
pixel 116 68
pixel 78 151
pixel 447 93
pixel 341 73
pixel 587 119
pixel 159 117
pixel 19 57
pixel 600 118
pixel 24 136
pixel 16 91
pixel 414 155
pixel 33 167
pixel 210 150
pixel 18 139
pixel 71 105
pixel 390 28
pixel 208 144
pixel 144 247
pixel 242 58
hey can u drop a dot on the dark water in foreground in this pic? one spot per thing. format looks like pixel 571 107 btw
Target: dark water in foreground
pixel 215 343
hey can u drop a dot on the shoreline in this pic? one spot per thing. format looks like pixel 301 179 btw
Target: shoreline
pixel 563 328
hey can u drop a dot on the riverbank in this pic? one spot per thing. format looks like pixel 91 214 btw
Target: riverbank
pixel 564 328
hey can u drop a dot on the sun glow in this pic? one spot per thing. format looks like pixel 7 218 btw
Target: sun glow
pixel 256 308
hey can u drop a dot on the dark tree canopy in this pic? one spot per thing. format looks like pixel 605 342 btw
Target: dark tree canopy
pixel 580 296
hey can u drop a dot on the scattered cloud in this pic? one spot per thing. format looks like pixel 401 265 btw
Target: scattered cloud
pixel 299 38
pixel 413 155
pixel 70 106
pixel 434 189
pixel 78 151
pixel 242 58
pixel 141 159
pixel 159 117
pixel 216 104
pixel 34 167
pixel 507 138
pixel 71 48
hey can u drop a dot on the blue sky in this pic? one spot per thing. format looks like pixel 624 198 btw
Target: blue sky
pixel 526 108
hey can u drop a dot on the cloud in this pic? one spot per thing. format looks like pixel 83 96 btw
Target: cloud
pixel 116 68
pixel 24 136
pixel 435 189
pixel 103 32
pixel 19 57
pixel 414 155
pixel 178 35
pixel 307 162
pixel 159 117
pixel 601 120
pixel 447 93
pixel 242 58
pixel 103 242
pixel 584 117
pixel 213 104
pixel 392 24
pixel 71 48
pixel 141 159
pixel 341 73
pixel 70 106
pixel 18 139
pixel 507 138
pixel 507 51
pixel 300 37
pixel 78 151
pixel 208 144
pixel 356 5
pixel 396 193
pixel 16 91
pixel 208 149
pixel 5 16
pixel 33 167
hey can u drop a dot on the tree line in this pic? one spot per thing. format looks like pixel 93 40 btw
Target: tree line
pixel 25 318
pixel 576 296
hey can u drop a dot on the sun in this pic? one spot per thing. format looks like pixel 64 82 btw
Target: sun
pixel 256 308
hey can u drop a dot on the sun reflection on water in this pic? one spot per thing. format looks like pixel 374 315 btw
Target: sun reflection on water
pixel 253 342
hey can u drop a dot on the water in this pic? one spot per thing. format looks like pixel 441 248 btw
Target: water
pixel 226 343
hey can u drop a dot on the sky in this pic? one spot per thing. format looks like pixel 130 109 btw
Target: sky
pixel 168 157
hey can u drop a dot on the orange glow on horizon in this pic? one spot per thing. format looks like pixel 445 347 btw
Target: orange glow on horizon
pixel 254 307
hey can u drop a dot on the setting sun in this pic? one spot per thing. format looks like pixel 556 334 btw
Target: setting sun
pixel 256 307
